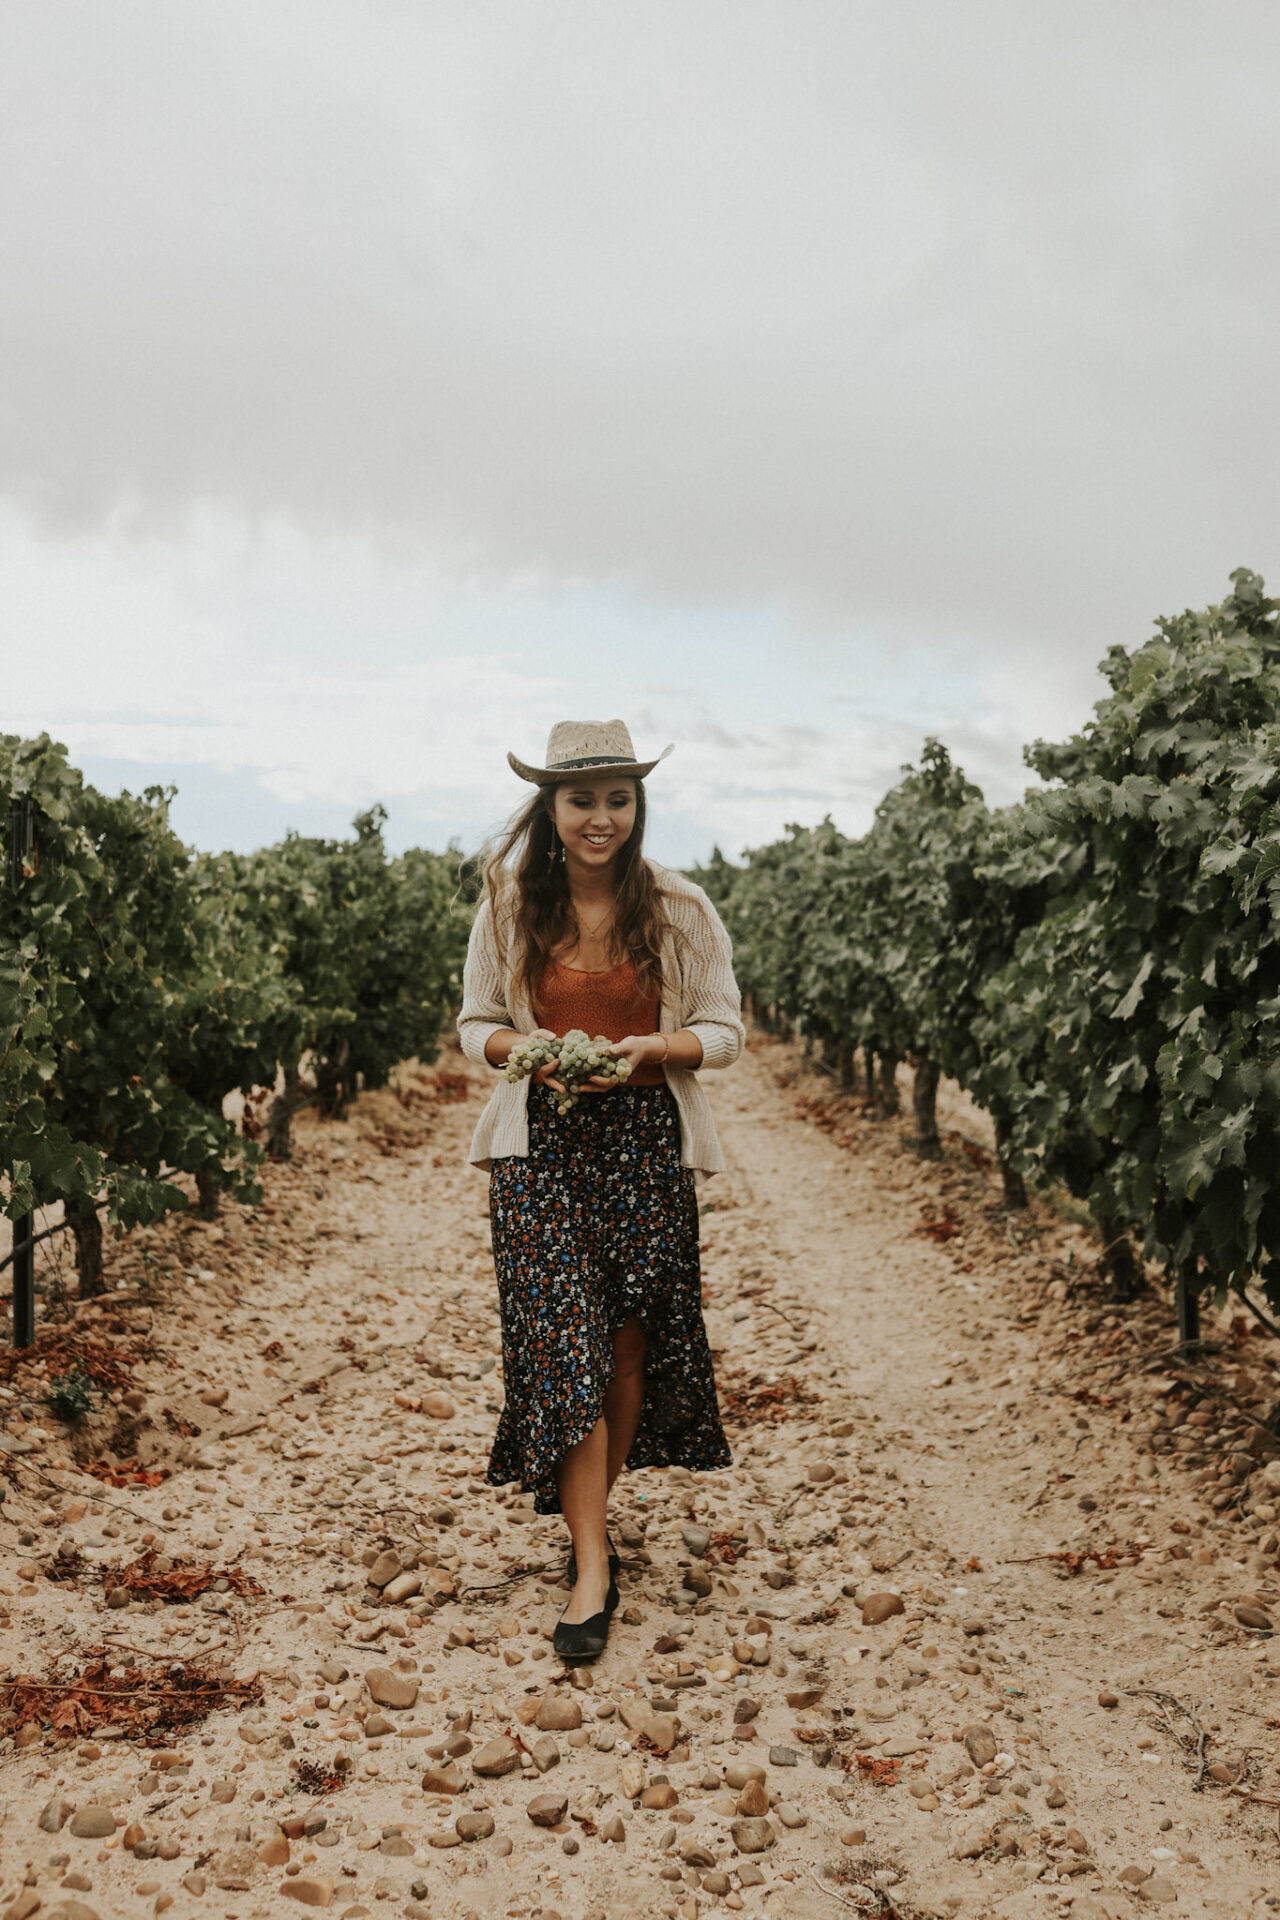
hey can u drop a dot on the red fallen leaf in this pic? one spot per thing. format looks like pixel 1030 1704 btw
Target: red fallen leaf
pixel 945 1226
pixel 127 1473
pixel 186 1580
pixel 973 1564
pixel 884 1773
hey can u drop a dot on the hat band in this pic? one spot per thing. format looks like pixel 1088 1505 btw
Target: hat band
pixel 596 760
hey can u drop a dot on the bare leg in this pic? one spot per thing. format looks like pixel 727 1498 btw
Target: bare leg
pixel 624 1394
pixel 588 1470
pixel 582 1476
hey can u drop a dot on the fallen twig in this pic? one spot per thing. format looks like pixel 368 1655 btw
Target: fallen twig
pixel 1202 1738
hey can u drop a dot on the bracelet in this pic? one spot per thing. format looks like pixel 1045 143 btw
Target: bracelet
pixel 666 1048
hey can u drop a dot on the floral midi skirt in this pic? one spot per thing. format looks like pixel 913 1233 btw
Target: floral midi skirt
pixel 599 1222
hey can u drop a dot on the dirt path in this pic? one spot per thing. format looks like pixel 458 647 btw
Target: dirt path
pixel 914 1414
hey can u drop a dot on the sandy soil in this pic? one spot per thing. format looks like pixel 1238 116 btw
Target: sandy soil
pixel 1065 1708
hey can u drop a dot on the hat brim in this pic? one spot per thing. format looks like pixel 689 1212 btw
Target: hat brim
pixel 551 776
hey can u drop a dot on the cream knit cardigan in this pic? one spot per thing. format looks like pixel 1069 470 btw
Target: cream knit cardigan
pixel 699 993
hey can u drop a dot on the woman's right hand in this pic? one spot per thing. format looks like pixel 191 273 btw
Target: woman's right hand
pixel 545 1075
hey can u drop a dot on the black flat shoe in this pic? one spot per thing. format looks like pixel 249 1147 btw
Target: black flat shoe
pixel 579 1640
pixel 571 1571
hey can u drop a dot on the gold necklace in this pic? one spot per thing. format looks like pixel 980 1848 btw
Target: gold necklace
pixel 591 932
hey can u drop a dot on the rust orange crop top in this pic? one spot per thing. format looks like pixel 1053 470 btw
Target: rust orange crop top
pixel 602 1002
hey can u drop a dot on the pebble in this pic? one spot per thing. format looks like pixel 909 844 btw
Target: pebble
pixel 697 1539
pixel 395 1690
pixel 753 1801
pixel 545 1752
pixel 547 1809
pixel 783 1757
pixel 980 1744
pixel 613 1829
pixel 879 1607
pixel 558 1713
pixel 738 1772
pixel 385 1568
pixel 474 1826
pixel 496 1757
pixel 791 1816
pixel 1108 1700
pixel 442 1780
pixel 1253 1618
pixel 93 1823
pixel 440 1407
pixel 55 1815
pixel 696 1853
pixel 309 1890
pixel 752 1836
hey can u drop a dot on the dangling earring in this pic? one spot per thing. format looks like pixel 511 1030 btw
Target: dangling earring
pixel 551 850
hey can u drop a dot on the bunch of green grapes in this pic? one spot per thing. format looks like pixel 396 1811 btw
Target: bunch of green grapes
pixel 528 1055
pixel 577 1058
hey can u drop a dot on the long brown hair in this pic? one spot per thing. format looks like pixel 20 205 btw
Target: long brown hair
pixel 527 887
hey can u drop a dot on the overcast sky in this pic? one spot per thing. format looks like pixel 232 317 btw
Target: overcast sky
pixel 383 381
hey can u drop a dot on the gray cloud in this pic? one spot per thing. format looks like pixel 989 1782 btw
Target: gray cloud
pixel 956 317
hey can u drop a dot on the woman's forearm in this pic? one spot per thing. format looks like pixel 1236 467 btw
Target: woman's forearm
pixel 684 1049
pixel 499 1045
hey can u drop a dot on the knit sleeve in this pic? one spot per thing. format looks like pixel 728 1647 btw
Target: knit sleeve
pixel 484 1004
pixel 712 1004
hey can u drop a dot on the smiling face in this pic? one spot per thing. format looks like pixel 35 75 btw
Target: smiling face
pixel 594 818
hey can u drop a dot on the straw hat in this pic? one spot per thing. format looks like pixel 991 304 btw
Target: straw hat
pixel 575 746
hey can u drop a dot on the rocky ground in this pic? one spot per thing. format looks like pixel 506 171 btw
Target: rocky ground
pixel 978 1622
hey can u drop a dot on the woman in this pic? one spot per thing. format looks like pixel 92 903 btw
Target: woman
pixel 594 1213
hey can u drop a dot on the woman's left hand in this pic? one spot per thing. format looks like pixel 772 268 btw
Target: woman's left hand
pixel 638 1048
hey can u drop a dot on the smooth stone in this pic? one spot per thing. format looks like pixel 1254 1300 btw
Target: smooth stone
pixel 752 1836
pixel 309 1890
pixel 377 1725
pixel 783 1757
pixel 438 1405
pixel 54 1817
pixel 753 1801
pixel 558 1713
pixel 660 1796
pixel 496 1757
pixel 442 1780
pixel 548 1809
pixel 696 1853
pixel 395 1690
pixel 474 1826
pixel 745 1708
pixel 1254 1618
pixel 791 1816
pixel 697 1539
pixel 980 1744
pixel 93 1823
pixel 545 1753
pixel 385 1568
pixel 738 1772
pixel 879 1607
pixel 614 1829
